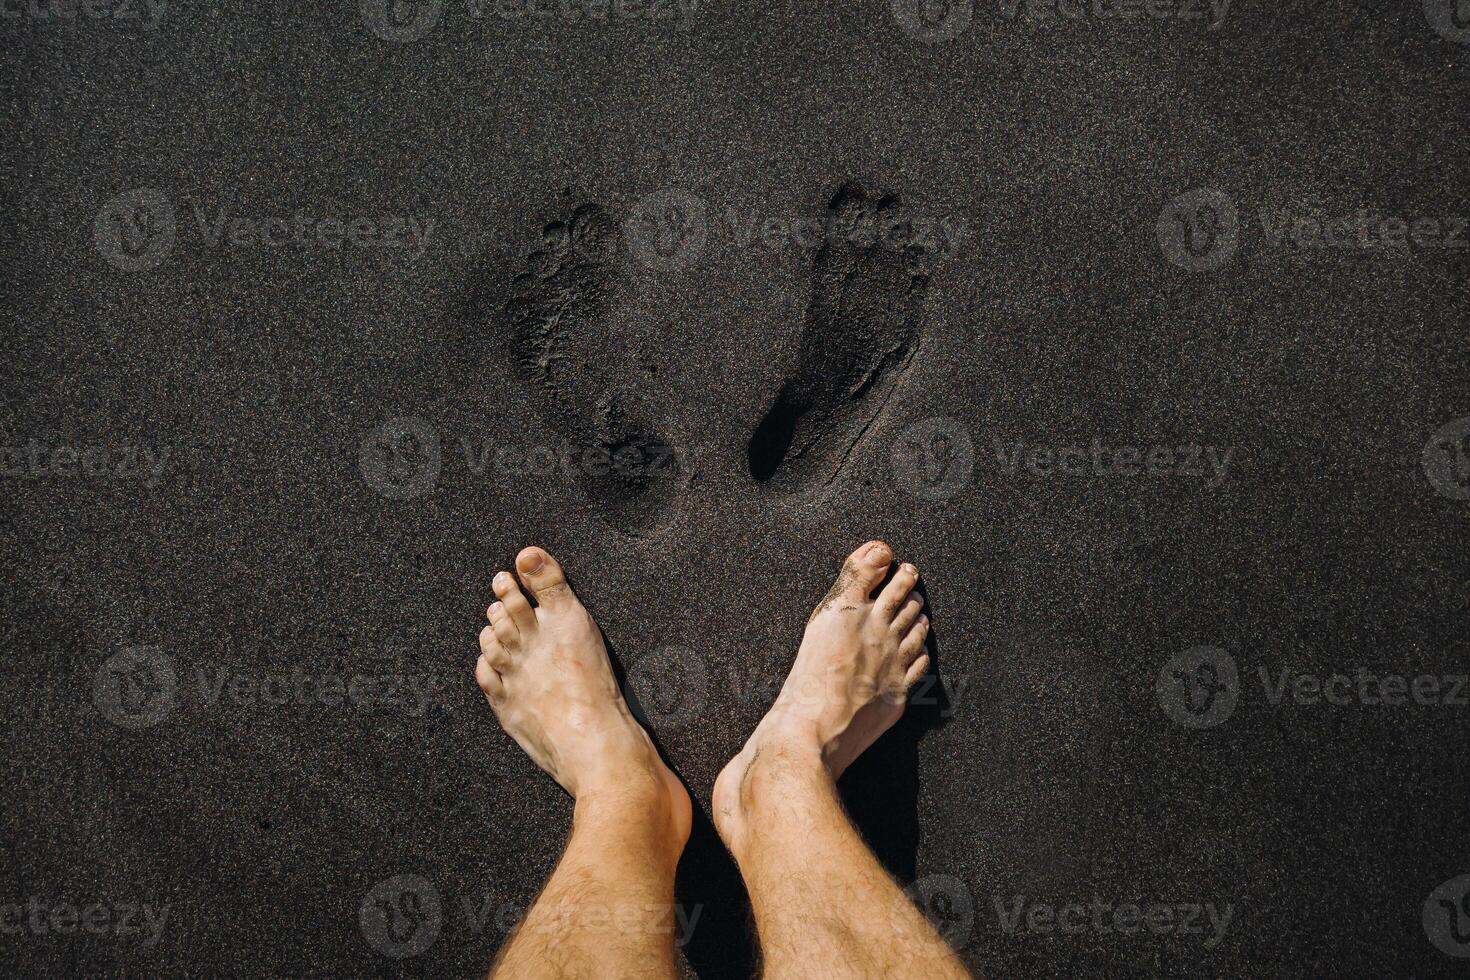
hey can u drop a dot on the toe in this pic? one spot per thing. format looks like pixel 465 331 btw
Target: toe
pixel 517 606
pixel 908 613
pixel 493 650
pixel 916 670
pixel 505 629
pixel 489 680
pixel 543 576
pixel 864 569
pixel 896 592
pixel 912 645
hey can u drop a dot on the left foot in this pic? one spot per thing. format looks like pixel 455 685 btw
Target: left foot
pixel 862 652
pixel 545 672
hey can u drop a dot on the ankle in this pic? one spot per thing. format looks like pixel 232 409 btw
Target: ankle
pixel 650 803
pixel 781 762
pixel 787 761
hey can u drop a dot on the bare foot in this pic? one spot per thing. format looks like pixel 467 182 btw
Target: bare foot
pixel 860 656
pixel 545 672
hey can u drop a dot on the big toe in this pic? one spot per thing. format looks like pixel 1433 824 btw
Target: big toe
pixel 543 576
pixel 865 569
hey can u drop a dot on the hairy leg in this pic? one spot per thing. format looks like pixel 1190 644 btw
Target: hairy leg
pixel 607 909
pixel 824 906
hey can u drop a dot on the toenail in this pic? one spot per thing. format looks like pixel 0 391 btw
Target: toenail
pixel 910 569
pixel 496 608
pixel 532 563
pixel 501 578
pixel 877 555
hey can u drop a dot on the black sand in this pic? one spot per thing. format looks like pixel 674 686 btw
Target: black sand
pixel 278 541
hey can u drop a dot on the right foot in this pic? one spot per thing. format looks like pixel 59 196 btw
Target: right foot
pixel 544 670
pixel 860 656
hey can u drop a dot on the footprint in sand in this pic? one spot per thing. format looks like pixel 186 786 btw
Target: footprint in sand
pixel 861 330
pixel 556 314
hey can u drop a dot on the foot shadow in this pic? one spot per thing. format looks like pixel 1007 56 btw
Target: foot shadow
pixel 881 788
pixel 720 943
pixel 713 926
